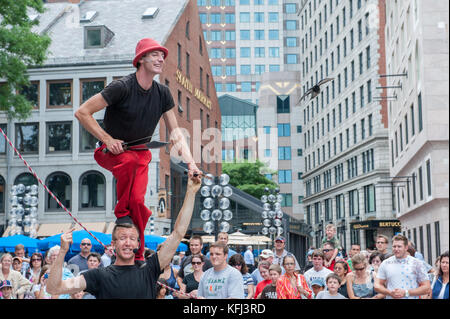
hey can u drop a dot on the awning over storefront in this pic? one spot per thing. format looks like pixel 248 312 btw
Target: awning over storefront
pixel 374 224
pixel 46 230
pixel 110 228
pixel 98 227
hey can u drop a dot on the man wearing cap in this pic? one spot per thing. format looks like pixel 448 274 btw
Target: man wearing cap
pixel 266 255
pixel 134 105
pixel 280 252
pixel 6 290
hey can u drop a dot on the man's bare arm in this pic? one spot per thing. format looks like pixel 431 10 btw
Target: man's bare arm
pixel 85 115
pixel 55 284
pixel 169 247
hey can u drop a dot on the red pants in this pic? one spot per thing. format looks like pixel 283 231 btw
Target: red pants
pixel 130 169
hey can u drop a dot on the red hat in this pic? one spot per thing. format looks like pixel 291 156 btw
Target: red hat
pixel 146 45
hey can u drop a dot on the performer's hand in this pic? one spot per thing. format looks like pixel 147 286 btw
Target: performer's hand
pixel 66 240
pixel 193 169
pixel 194 184
pixel 114 146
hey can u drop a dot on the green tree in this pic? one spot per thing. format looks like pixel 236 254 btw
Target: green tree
pixel 247 177
pixel 20 48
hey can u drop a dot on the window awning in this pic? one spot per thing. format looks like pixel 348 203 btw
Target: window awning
pixel 46 230
pixel 110 228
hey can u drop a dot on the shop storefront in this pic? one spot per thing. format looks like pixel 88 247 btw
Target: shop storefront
pixel 365 232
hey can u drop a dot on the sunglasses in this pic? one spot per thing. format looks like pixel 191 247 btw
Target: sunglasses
pixel 196 263
pixel 36 259
pixel 359 269
pixel 85 244
pixel 326 250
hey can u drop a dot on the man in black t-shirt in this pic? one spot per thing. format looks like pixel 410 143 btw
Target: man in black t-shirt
pixel 124 279
pixel 134 105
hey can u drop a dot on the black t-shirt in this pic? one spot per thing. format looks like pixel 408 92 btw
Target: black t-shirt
pixel 124 282
pixel 269 292
pixel 190 282
pixel 133 112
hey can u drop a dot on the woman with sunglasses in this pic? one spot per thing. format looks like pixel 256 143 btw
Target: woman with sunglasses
pixel 191 281
pixel 238 262
pixel 360 282
pixel 32 273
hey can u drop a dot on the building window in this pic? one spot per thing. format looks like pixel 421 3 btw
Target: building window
pixel 245 69
pixel 59 94
pixel 429 244
pixel 90 87
pixel 2 194
pixel 284 129
pixel 284 153
pixel 340 206
pixel 273 34
pixel 273 17
pixel 283 104
pixel 428 164
pixel 92 191
pixel 420 183
pixel 59 137
pixel 291 58
pixel 437 238
pixel 287 200
pixel 353 202
pixel 230 18
pixel 369 199
pixel 284 176
pixel 260 68
pixel 419 104
pixel 26 179
pixel 259 34
pixel 60 185
pixel 87 140
pixel 31 93
pixel 2 140
pixel 246 86
pixel 27 137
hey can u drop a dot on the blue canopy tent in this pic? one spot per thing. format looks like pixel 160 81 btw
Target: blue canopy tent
pixel 8 243
pixel 152 242
pixel 78 236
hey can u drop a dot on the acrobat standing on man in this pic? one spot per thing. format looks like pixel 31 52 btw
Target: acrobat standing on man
pixel 134 105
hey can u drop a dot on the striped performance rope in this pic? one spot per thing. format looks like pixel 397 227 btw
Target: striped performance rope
pixel 46 188
pixel 174 290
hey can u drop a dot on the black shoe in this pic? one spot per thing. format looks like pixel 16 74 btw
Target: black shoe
pixel 124 220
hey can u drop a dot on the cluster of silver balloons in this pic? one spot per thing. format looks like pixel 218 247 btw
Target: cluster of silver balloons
pixel 22 218
pixel 216 193
pixel 272 215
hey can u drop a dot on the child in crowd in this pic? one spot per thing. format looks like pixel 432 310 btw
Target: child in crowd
pixel 333 282
pixel 270 291
pixel 330 231
pixel 6 289
pixel 317 285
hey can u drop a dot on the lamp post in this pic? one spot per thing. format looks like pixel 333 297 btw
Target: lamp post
pixel 272 215
pixel 216 213
pixel 23 215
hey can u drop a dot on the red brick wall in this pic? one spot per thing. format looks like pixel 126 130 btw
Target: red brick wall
pixel 197 60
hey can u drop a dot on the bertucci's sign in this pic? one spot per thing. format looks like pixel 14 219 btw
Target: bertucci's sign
pixel 187 84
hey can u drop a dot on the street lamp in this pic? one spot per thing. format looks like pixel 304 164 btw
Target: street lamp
pixel 216 213
pixel 22 217
pixel 272 215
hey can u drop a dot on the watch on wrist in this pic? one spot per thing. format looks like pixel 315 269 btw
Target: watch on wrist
pixel 407 294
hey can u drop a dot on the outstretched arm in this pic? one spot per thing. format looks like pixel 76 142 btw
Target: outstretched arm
pixel 169 247
pixel 178 139
pixel 55 284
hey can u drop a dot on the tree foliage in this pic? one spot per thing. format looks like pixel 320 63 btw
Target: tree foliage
pixel 20 48
pixel 247 177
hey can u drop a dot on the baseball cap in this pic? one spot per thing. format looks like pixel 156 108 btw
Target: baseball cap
pixel 14 258
pixel 5 283
pixel 266 253
pixel 281 238
pixel 318 282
